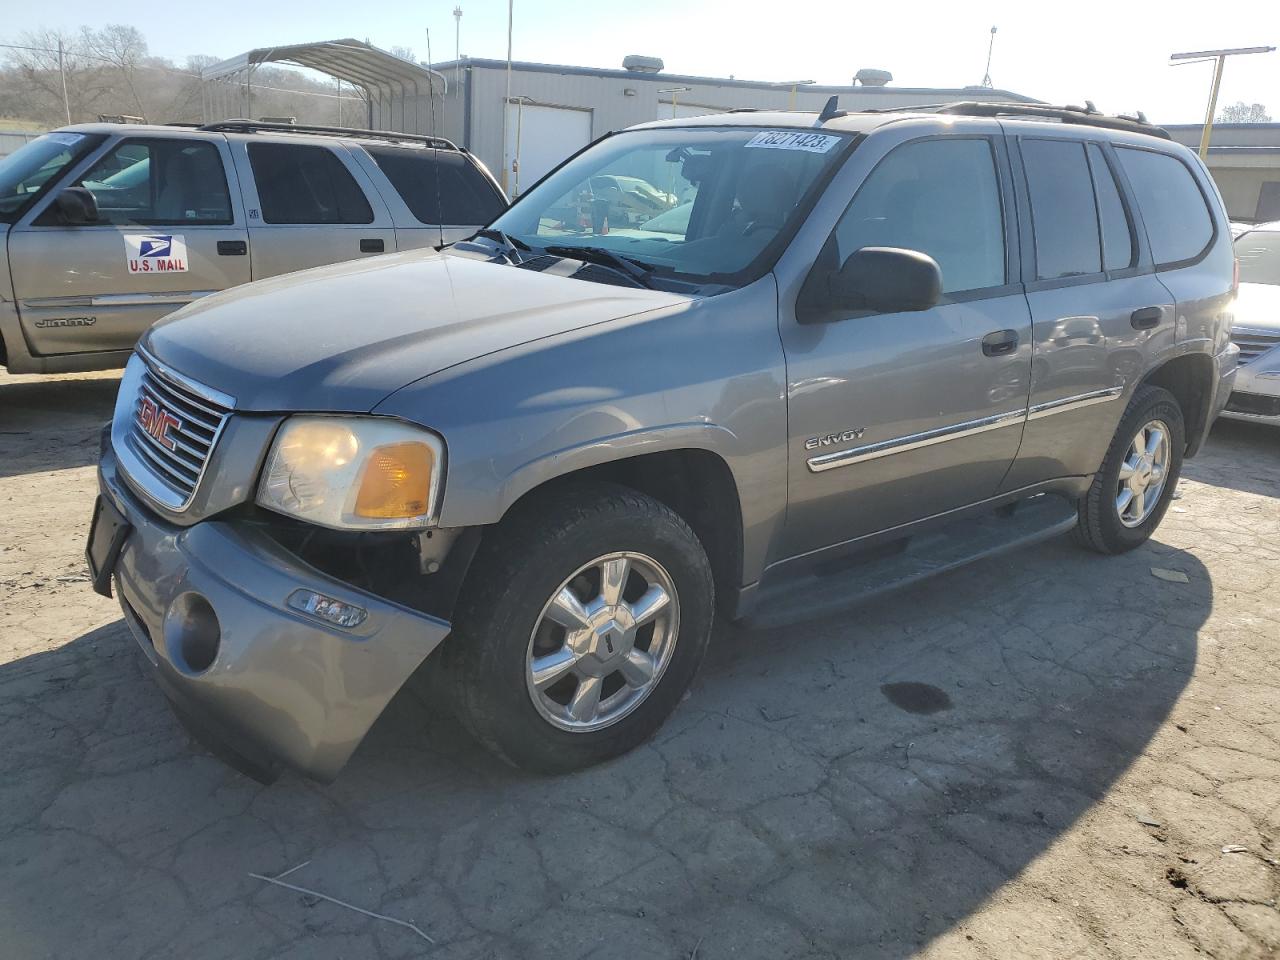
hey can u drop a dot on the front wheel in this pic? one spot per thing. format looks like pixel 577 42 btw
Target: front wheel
pixel 1134 486
pixel 583 621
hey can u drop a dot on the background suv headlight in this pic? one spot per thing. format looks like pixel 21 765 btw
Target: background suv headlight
pixel 353 473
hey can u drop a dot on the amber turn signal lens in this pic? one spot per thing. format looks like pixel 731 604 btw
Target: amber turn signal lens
pixel 396 482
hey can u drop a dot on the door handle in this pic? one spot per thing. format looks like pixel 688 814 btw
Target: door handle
pixel 368 245
pixel 1146 318
pixel 232 248
pixel 1000 344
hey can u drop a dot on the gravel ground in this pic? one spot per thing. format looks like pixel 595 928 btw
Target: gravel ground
pixel 1099 777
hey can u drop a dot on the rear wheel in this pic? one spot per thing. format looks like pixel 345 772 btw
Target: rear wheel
pixel 583 621
pixel 1134 486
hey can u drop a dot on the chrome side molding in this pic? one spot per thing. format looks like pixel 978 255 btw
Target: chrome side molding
pixel 969 428
pixel 1079 401
pixel 915 441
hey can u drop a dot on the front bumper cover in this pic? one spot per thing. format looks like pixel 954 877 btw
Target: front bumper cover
pixel 283 689
pixel 1256 392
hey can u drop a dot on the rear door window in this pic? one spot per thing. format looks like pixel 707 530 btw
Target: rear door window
pixel 1179 226
pixel 161 182
pixel 439 186
pixel 300 183
pixel 1064 214
pixel 1117 239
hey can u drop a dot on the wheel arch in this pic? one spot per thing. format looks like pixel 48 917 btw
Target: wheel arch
pixel 1190 378
pixel 695 482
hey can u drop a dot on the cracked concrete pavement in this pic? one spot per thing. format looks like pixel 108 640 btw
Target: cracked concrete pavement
pixel 1104 737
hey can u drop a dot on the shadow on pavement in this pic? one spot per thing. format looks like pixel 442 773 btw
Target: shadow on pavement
pixel 788 809
pixel 52 424
pixel 1239 455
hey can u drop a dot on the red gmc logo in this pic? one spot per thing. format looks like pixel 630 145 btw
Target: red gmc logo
pixel 157 422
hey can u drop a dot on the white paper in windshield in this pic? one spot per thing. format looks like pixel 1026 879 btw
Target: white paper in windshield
pixel 793 140
pixel 66 139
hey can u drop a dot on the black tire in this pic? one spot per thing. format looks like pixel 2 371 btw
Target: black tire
pixel 1100 527
pixel 520 566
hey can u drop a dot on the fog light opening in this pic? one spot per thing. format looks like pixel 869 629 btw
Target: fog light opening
pixel 336 612
pixel 192 633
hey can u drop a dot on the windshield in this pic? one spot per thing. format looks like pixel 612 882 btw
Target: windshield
pixel 25 172
pixel 701 205
pixel 1259 254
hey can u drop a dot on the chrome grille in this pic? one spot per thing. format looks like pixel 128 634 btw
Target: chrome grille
pixel 173 432
pixel 1253 343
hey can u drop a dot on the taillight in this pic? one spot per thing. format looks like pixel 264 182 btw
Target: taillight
pixel 1235 277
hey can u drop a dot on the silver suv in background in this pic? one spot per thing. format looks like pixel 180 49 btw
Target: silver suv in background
pixel 1256 327
pixel 111 226
pixel 869 347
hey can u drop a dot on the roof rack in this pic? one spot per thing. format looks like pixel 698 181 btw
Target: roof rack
pixel 1088 115
pixel 266 126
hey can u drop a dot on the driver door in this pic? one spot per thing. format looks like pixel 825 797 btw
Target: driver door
pixel 895 417
pixel 168 232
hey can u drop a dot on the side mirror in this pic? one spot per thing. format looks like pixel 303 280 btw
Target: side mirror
pixel 77 206
pixel 887 280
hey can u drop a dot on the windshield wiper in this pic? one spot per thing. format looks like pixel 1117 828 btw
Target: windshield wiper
pixel 634 269
pixel 508 241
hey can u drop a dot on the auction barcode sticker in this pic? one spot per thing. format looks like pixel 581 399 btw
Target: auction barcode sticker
pixel 793 140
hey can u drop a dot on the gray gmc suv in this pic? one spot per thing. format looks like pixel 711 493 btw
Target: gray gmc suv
pixel 759 363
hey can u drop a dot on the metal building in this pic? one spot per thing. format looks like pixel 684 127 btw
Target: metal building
pixel 1244 159
pixel 524 118
pixel 554 110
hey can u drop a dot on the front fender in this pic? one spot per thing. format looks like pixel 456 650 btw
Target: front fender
pixel 707 375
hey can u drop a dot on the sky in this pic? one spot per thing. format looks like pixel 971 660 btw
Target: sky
pixel 1114 53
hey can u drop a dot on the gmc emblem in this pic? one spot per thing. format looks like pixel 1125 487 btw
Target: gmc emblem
pixel 157 422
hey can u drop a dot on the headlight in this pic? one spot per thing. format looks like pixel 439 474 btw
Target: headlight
pixel 363 473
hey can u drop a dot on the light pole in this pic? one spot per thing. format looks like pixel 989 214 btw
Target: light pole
pixel 675 93
pixel 1221 57
pixel 791 104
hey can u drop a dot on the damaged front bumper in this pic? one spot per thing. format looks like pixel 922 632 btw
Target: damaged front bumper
pixel 259 682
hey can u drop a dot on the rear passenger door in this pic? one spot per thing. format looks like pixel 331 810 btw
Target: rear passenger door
pixel 1098 311
pixel 309 204
pixel 437 196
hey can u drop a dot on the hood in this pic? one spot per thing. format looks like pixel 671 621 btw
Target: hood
pixel 343 337
pixel 1258 307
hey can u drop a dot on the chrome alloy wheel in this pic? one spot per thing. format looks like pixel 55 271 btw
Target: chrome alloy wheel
pixel 1143 474
pixel 602 642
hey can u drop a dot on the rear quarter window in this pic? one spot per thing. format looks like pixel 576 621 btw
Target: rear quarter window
pixel 439 186
pixel 1174 211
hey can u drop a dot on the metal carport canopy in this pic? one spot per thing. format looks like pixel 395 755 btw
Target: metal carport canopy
pixel 378 72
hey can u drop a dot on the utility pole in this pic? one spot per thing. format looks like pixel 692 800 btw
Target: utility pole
pixel 62 72
pixel 457 50
pixel 507 101
pixel 1220 56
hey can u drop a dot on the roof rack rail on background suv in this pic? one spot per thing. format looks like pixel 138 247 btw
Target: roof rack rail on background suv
pixel 264 126
pixel 1088 115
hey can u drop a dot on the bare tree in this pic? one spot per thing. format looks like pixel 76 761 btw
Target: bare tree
pixel 124 48
pixel 404 53
pixel 37 93
pixel 108 71
pixel 1241 112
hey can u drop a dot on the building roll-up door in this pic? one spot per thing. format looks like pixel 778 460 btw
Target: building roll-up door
pixel 537 138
